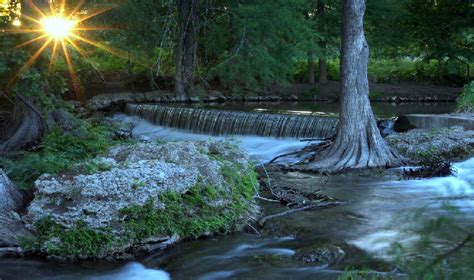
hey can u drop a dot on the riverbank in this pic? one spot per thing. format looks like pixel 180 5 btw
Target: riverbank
pixel 393 93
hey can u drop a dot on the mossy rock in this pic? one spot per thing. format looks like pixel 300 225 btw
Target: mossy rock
pixel 152 193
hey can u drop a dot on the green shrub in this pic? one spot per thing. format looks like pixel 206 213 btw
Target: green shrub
pixel 466 100
pixel 392 71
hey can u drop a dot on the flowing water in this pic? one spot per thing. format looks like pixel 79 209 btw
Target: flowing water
pixel 377 215
pixel 223 122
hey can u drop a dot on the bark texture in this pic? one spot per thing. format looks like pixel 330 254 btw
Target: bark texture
pixel 186 49
pixel 33 123
pixel 358 143
pixel 30 129
pixel 11 201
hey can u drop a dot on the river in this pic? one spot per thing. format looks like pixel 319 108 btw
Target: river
pixel 378 215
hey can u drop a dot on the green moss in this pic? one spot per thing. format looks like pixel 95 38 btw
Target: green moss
pixel 192 214
pixel 201 210
pixel 53 239
pixel 60 151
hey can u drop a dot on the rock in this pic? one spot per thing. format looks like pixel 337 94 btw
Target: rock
pixel 186 181
pixel 454 143
pixel 320 254
pixel 215 96
pixel 431 121
pixel 11 201
pixel 107 101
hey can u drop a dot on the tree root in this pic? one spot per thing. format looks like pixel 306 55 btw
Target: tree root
pixel 323 205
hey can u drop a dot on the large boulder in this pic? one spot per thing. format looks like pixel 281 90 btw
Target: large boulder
pixel 146 195
pixel 455 143
pixel 11 201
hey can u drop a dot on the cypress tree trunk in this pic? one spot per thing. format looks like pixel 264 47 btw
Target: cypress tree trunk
pixel 358 143
pixel 31 127
pixel 310 68
pixel 11 201
pixel 323 75
pixel 186 49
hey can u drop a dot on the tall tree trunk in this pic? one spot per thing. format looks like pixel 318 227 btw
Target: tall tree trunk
pixel 323 74
pixel 310 68
pixel 186 49
pixel 358 143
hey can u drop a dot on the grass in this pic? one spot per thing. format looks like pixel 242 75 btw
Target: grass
pixel 60 151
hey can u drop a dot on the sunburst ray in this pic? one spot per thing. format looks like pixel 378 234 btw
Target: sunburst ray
pixel 63 29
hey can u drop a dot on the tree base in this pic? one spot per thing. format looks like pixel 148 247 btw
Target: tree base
pixel 339 157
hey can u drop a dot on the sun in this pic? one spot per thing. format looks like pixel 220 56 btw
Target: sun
pixel 58 27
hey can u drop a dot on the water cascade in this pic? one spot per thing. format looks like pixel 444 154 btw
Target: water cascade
pixel 220 122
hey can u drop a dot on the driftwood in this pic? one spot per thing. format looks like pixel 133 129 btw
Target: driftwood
pixel 262 221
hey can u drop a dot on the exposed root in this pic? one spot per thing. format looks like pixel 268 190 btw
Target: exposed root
pixel 262 221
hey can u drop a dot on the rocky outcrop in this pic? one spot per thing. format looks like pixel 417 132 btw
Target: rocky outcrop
pixel 454 143
pixel 11 201
pixel 146 195
pixel 110 100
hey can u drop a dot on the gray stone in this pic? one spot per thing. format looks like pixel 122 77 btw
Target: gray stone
pixel 465 120
pixel 107 101
pixel 455 143
pixel 138 173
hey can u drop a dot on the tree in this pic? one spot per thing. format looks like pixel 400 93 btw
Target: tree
pixel 323 75
pixel 35 104
pixel 358 143
pixel 186 49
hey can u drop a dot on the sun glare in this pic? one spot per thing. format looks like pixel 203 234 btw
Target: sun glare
pixel 58 27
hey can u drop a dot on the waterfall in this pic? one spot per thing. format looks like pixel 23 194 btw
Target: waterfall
pixel 221 122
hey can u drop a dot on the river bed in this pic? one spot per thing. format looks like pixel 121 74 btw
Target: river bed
pixel 377 215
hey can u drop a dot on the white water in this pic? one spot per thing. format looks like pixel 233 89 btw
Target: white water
pixel 261 149
pixel 135 271
pixel 431 195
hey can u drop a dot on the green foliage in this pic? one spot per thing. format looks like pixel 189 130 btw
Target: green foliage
pixel 444 249
pixel 192 214
pixel 60 151
pixel 465 102
pixel 79 241
pixel 382 70
pixel 362 274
